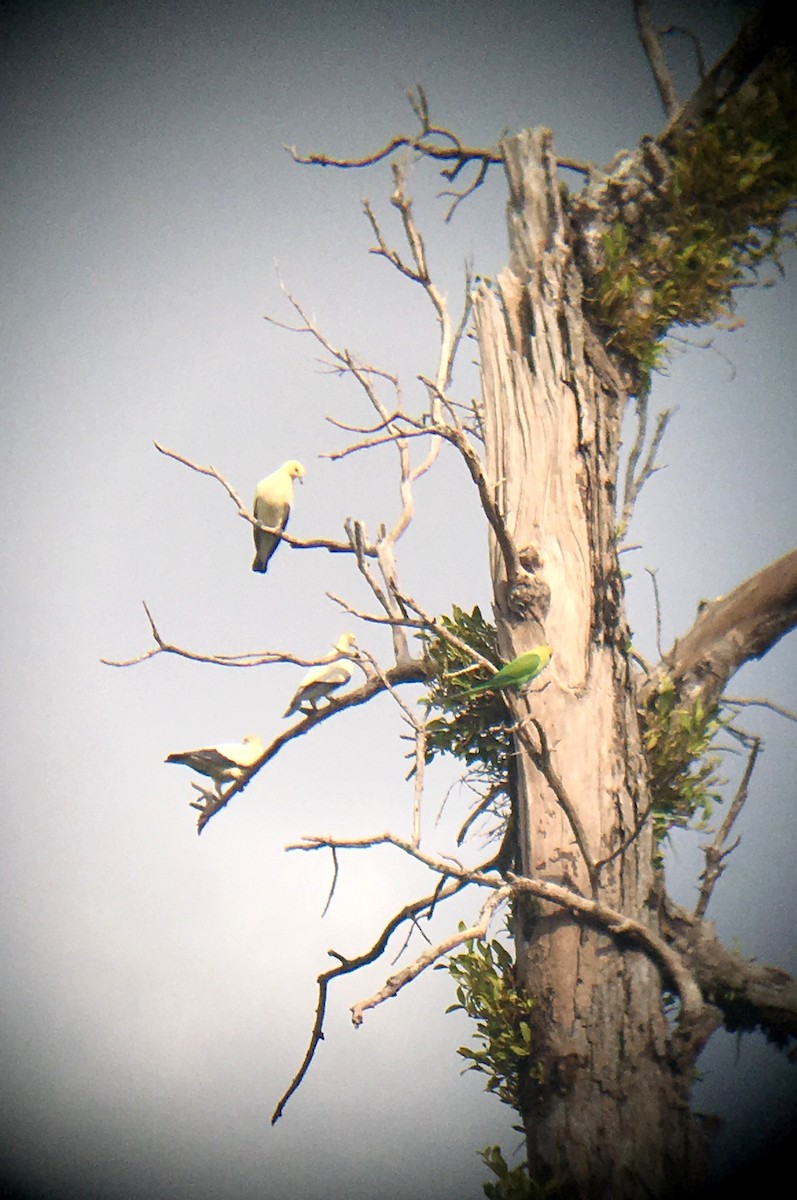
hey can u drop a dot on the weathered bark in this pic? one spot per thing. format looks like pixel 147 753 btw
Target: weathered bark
pixel 611 1117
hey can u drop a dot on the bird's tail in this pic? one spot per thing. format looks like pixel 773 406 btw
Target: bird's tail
pixel 479 687
pixel 257 565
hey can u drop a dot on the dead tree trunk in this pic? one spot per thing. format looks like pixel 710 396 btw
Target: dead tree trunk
pixel 611 1116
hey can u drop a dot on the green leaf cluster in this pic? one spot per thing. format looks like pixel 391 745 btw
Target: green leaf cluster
pixel 514 1183
pixel 726 211
pixel 678 739
pixel 472 728
pixel 486 991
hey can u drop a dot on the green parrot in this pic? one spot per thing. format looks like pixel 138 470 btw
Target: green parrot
pixel 517 673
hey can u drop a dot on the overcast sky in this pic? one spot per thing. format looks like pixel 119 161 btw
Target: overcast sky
pixel 159 989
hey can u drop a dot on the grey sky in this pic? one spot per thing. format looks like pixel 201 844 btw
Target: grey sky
pixel 159 989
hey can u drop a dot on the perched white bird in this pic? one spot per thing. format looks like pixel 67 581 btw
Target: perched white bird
pixel 272 507
pixel 224 763
pixel 320 682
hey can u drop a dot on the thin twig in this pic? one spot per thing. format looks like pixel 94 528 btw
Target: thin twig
pixel 636 480
pixel 717 852
pixel 334 882
pixel 744 702
pixel 657 600
pixel 414 924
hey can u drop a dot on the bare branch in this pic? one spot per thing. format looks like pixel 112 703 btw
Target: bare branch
pixel 760 35
pixel 749 701
pixel 250 658
pixel 414 925
pixel 388 252
pixel 345 360
pixel 694 1012
pixel 381 440
pixel 366 430
pixel 437 627
pixel 409 913
pixel 717 852
pixel 511 557
pixel 447 867
pixel 453 152
pixel 419 771
pixel 636 480
pixel 475 183
pixel 649 37
pixel 419 728
pixel 396 982
pixel 649 466
pixel 243 511
pixel 485 804
pixel 426 144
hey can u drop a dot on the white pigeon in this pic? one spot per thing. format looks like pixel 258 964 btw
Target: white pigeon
pixel 320 682
pixel 272 507
pixel 224 763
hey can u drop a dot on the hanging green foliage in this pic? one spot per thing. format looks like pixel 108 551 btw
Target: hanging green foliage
pixel 484 975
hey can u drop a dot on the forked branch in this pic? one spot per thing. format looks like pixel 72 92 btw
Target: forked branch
pixel 410 913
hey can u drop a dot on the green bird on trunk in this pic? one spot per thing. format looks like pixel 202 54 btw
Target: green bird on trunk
pixel 515 674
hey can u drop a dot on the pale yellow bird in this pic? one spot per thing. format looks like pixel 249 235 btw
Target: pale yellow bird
pixel 320 682
pixel 224 763
pixel 272 507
